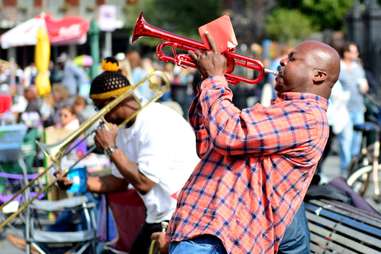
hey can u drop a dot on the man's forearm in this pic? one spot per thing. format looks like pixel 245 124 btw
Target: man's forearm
pixel 105 184
pixel 131 173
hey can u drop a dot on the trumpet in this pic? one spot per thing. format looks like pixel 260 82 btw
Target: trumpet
pixel 173 41
pixel 158 84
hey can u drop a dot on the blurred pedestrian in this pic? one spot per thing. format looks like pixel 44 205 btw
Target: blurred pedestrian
pixel 82 109
pixel 352 78
pixel 340 121
pixel 73 76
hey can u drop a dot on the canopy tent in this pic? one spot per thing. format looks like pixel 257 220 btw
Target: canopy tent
pixel 68 30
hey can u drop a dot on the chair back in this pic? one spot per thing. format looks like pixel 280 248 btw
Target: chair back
pixel 11 139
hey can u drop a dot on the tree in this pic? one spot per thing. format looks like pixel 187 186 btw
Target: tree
pixel 324 14
pixel 182 16
pixel 286 25
pixel 248 18
pixel 185 16
pixel 327 14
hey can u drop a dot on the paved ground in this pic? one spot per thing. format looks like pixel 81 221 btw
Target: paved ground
pixel 330 171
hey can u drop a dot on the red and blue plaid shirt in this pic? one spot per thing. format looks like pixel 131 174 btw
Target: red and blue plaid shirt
pixel 255 168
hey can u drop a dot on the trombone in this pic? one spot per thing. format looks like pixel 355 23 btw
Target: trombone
pixel 158 84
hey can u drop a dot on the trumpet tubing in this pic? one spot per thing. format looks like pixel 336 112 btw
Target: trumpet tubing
pixel 142 28
pixel 158 84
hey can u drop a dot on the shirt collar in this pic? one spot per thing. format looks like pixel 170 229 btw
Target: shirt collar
pixel 323 102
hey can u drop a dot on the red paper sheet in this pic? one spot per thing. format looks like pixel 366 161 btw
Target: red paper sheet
pixel 222 31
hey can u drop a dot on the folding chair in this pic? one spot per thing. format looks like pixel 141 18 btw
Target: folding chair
pixel 13 169
pixel 76 234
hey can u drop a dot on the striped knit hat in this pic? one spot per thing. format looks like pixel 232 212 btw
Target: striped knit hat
pixel 110 83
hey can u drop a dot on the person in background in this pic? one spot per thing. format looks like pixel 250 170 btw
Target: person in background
pixel 138 73
pixel 68 119
pixel 340 121
pixel 82 109
pixel 125 68
pixel 35 105
pixel 73 76
pixel 352 78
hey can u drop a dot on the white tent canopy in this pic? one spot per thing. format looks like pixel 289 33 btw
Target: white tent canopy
pixel 68 30
pixel 23 34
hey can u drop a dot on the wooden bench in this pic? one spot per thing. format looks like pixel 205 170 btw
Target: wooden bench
pixel 339 228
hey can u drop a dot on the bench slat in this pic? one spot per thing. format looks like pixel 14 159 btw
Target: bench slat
pixel 340 239
pixel 351 212
pixel 345 230
pixel 330 247
pixel 358 224
pixel 315 248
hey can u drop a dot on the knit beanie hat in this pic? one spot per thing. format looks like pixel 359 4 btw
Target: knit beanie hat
pixel 110 83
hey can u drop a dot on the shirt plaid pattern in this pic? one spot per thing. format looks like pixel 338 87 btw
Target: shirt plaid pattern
pixel 255 168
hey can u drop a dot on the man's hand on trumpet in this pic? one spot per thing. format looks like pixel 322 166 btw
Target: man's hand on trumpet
pixel 209 63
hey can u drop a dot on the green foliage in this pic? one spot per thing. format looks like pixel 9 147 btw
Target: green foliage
pixel 181 17
pixel 324 14
pixel 131 12
pixel 287 25
pixel 185 16
pixel 327 14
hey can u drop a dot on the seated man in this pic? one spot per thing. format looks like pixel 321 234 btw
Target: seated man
pixel 154 153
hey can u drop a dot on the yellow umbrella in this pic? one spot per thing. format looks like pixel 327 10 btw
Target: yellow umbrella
pixel 41 59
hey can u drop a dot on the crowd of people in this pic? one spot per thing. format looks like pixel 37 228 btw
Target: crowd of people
pixel 230 166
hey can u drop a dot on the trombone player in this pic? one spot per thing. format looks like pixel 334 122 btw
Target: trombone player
pixel 154 153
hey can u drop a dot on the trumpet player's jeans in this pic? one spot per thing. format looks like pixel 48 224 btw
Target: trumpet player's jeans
pixel 205 244
pixel 296 240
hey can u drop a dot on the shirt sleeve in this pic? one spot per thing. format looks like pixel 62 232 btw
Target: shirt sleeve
pixel 201 133
pixel 255 130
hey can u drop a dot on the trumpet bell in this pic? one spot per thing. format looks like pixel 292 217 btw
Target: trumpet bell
pixel 139 28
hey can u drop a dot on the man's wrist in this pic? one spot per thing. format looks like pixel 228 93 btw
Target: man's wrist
pixel 110 150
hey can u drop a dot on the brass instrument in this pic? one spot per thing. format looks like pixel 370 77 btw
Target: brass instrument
pixel 158 83
pixel 154 247
pixel 173 41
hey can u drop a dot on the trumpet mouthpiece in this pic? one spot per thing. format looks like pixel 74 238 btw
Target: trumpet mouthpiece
pixel 271 72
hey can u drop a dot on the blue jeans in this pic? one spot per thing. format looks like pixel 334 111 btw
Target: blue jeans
pixel 344 139
pixel 296 239
pixel 357 117
pixel 205 244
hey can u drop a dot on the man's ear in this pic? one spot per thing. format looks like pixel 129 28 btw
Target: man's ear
pixel 319 76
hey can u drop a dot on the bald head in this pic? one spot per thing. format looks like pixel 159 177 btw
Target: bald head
pixel 325 58
pixel 311 67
